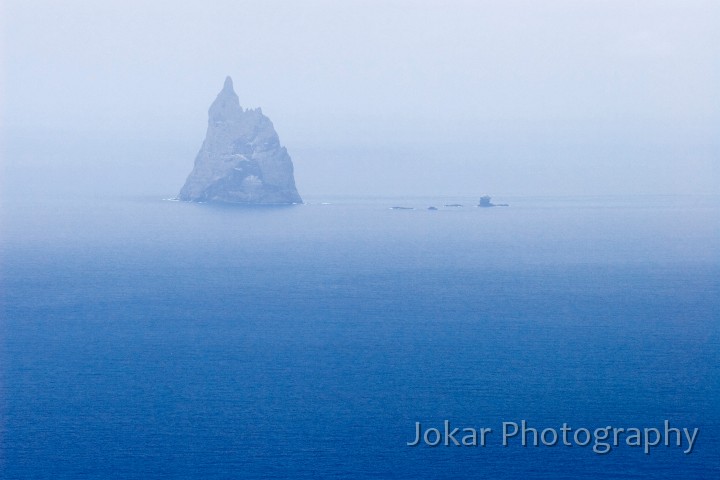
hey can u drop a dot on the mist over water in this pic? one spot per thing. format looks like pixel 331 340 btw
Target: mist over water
pixel 151 338
pixel 143 338
pixel 534 230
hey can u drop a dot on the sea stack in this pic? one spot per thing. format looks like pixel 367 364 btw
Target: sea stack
pixel 241 159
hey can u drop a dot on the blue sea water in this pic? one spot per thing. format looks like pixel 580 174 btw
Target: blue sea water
pixel 143 338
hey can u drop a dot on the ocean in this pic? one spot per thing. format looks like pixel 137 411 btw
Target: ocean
pixel 143 338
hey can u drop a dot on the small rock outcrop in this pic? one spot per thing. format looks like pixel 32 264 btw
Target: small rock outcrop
pixel 241 159
pixel 485 202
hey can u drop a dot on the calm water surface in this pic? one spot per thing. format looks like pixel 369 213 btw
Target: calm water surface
pixel 143 338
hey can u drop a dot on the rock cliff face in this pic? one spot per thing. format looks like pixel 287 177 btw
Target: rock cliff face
pixel 241 159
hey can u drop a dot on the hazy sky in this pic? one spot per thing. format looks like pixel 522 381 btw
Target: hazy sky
pixel 372 97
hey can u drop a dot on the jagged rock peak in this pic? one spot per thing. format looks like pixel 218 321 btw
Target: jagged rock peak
pixel 228 84
pixel 241 159
pixel 226 105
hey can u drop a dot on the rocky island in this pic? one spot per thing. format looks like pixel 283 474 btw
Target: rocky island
pixel 485 202
pixel 241 160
